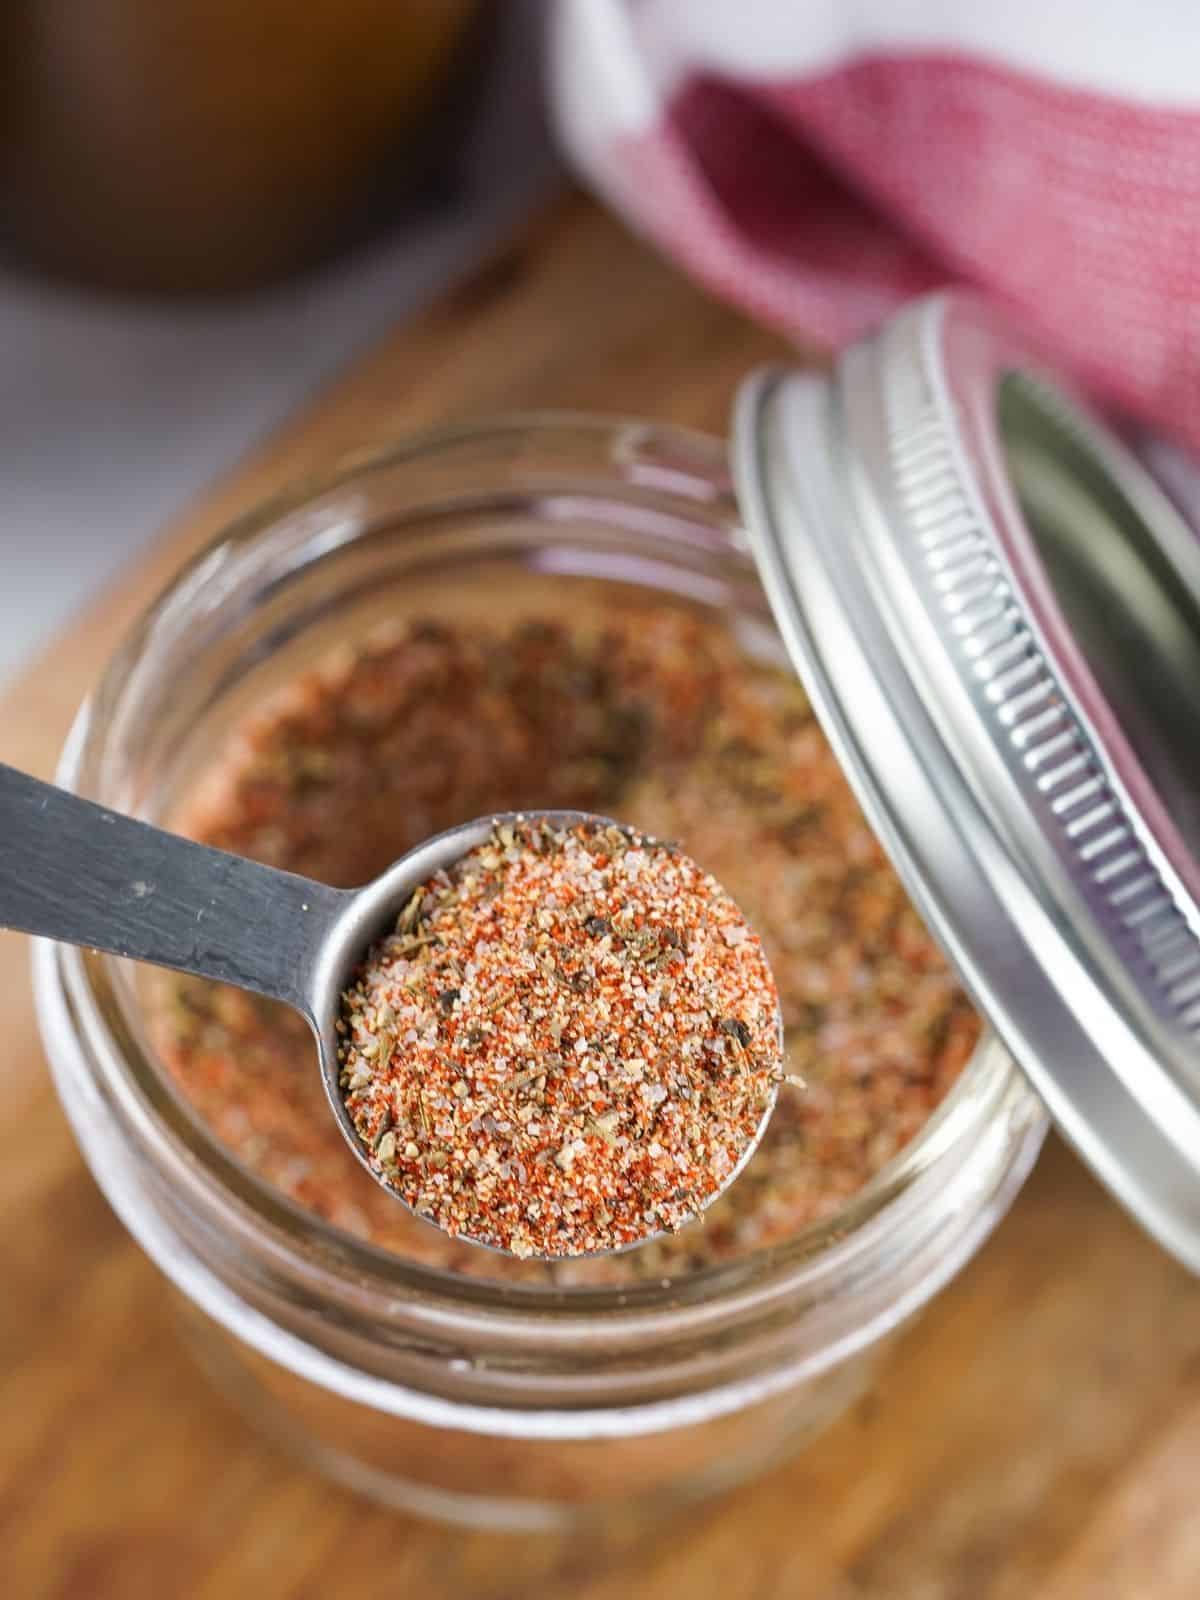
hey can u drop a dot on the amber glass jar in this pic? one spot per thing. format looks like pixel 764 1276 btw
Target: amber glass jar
pixel 209 145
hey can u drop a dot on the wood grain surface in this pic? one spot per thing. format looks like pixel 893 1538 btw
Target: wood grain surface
pixel 1038 1434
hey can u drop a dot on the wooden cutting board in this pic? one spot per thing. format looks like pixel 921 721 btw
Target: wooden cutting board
pixel 1039 1433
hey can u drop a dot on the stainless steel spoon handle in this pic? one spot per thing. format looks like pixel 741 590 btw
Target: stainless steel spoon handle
pixel 77 872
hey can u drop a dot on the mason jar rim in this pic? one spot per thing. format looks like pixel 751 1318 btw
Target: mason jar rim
pixel 861 1239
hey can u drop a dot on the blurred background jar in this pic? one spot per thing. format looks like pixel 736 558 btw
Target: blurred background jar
pixel 204 146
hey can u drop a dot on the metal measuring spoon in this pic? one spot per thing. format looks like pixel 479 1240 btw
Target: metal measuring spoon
pixel 76 872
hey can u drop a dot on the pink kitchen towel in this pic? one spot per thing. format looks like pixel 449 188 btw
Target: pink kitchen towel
pixel 818 161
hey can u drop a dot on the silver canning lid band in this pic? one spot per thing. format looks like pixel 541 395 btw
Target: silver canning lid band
pixel 997 615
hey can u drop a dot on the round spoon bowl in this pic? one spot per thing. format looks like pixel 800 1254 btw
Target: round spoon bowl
pixel 370 912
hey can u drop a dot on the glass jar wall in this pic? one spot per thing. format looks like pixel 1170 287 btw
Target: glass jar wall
pixel 479 1394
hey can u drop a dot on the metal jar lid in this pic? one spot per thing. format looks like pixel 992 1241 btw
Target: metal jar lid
pixel 997 615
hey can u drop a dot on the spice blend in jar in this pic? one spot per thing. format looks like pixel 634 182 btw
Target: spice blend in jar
pixel 567 1043
pixel 655 713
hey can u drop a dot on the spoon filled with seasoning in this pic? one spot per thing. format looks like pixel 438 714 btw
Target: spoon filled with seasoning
pixel 545 1033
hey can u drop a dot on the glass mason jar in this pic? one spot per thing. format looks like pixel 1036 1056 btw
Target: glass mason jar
pixel 507 1405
